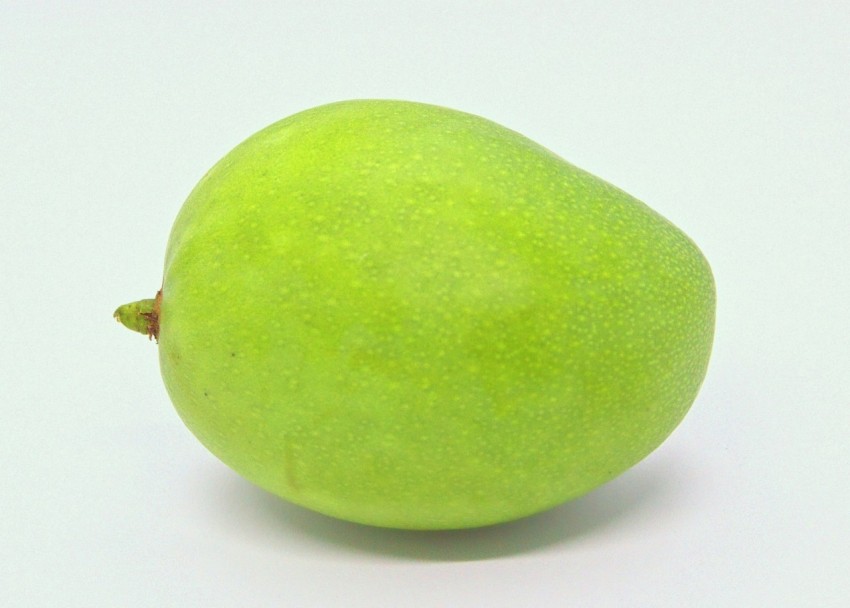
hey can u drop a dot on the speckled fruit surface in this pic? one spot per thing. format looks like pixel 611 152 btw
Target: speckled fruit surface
pixel 408 316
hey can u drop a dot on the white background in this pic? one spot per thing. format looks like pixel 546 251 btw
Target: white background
pixel 732 119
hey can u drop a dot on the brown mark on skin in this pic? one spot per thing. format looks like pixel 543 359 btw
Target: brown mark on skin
pixel 153 317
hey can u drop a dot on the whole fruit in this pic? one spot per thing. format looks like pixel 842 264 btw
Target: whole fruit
pixel 408 316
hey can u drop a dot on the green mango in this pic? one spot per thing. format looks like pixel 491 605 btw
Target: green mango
pixel 408 316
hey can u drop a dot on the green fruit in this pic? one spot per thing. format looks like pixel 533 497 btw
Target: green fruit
pixel 408 316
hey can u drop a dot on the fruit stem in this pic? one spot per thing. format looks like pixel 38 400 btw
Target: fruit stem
pixel 141 316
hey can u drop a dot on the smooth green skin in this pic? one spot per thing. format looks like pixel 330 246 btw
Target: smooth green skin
pixel 408 316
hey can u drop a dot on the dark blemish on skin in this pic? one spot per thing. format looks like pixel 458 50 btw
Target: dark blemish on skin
pixel 206 394
pixel 152 317
pixel 232 354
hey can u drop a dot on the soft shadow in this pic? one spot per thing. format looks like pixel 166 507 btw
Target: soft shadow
pixel 270 520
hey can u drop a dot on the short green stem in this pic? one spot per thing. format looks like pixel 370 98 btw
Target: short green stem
pixel 141 316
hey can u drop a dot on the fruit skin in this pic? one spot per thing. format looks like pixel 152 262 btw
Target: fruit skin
pixel 407 316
